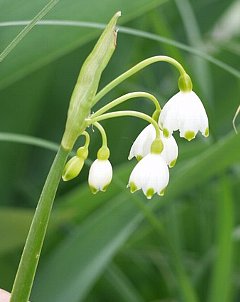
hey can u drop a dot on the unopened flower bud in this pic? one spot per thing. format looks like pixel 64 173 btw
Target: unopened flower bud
pixel 72 168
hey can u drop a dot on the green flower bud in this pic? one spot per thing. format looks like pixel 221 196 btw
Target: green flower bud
pixel 72 168
pixel 87 84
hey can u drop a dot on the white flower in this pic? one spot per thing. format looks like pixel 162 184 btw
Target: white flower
pixel 142 145
pixel 100 175
pixel 184 112
pixel 150 174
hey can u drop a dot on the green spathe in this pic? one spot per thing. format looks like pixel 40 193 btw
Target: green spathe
pixel 87 83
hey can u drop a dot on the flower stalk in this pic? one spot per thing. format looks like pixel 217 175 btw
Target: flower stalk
pixel 80 105
pixel 183 75
pixel 126 97
pixel 122 113
pixel 102 132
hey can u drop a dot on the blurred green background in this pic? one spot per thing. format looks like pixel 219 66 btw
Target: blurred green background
pixel 116 246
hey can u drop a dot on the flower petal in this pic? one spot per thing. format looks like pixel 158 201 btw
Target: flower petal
pixel 142 144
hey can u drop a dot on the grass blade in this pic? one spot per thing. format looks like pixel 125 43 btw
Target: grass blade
pixel 27 29
pixel 28 140
pixel 122 284
pixel 86 253
pixel 194 36
pixel 136 33
pixel 221 285
pixel 82 257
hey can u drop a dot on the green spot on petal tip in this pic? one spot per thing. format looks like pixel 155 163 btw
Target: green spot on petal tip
pixel 162 192
pixel 149 193
pixel 93 190
pixel 104 189
pixel 189 135
pixel 133 187
pixel 172 163
pixel 165 132
pixel 206 133
pixel 139 157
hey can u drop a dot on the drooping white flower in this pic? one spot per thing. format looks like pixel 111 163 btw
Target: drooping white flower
pixel 142 145
pixel 100 175
pixel 150 174
pixel 184 112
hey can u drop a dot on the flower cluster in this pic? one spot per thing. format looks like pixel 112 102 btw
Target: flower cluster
pixel 183 112
pixel 155 148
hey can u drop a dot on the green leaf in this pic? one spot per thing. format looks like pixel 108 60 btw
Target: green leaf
pixel 76 264
pixel 122 284
pixel 13 227
pixel 221 285
pixel 15 223
pixel 200 66
pixel 215 159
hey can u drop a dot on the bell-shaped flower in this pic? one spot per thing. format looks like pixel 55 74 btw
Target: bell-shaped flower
pixel 100 175
pixel 151 174
pixel 142 145
pixel 184 112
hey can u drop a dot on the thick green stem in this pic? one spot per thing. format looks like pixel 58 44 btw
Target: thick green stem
pixel 126 113
pixel 125 98
pixel 31 253
pixel 134 70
